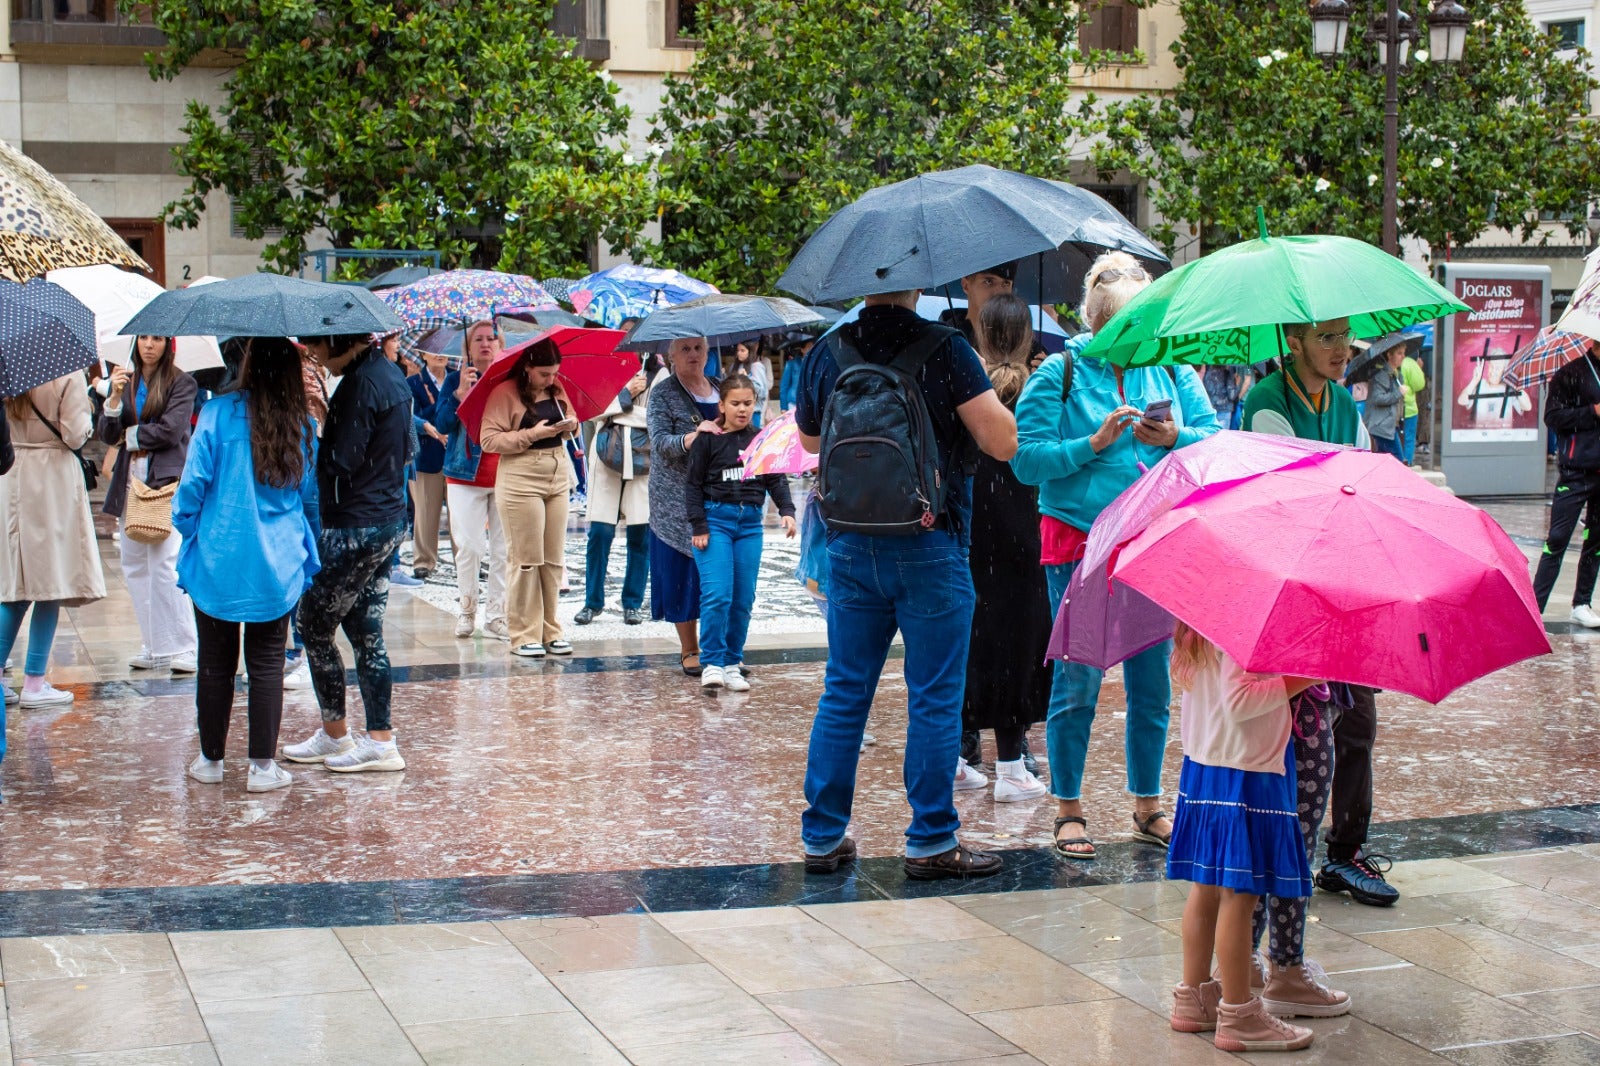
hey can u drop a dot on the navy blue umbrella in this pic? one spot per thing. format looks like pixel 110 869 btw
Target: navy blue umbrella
pixel 721 318
pixel 932 229
pixel 45 333
pixel 264 305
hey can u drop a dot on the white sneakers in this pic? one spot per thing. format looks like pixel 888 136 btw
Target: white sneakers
pixel 1586 616
pixel 968 779
pixel 45 695
pixel 367 754
pixel 273 777
pixel 11 696
pixel 318 748
pixel 205 771
pixel 466 622
pixel 299 675
pixel 711 677
pixel 496 628
pixel 733 679
pixel 182 663
pixel 1013 783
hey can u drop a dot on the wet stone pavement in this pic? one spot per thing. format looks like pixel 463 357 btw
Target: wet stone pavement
pixel 591 861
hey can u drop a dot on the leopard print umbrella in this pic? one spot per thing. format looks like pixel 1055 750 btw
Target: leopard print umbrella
pixel 44 226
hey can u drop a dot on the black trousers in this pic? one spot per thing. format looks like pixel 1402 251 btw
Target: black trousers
pixel 1355 731
pixel 1577 491
pixel 218 661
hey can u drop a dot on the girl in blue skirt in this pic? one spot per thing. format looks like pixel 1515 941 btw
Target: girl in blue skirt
pixel 1236 835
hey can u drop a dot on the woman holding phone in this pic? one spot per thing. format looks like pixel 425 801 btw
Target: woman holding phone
pixel 1086 430
pixel 526 422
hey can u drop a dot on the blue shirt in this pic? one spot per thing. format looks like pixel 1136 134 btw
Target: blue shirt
pixel 952 375
pixel 424 405
pixel 249 550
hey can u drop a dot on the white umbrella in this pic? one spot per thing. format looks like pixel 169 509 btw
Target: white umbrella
pixel 115 296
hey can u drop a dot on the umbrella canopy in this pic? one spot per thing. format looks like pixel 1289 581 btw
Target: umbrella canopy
pixel 1052 337
pixel 721 318
pixel 1551 350
pixel 263 305
pixel 461 297
pixel 45 227
pixel 1365 362
pixel 1100 623
pixel 1583 313
pixel 559 288
pixel 45 333
pixel 777 450
pixel 632 291
pixel 932 229
pixel 514 329
pixel 395 277
pixel 592 371
pixel 1348 569
pixel 114 296
pixel 1230 306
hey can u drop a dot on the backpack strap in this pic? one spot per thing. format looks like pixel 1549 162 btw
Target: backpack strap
pixel 911 359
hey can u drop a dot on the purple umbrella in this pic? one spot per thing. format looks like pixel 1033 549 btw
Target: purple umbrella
pixel 1100 624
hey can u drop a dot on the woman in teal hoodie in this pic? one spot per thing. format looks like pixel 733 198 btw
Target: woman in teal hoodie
pixel 1082 440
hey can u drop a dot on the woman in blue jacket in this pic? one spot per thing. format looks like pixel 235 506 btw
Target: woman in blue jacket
pixel 1082 440
pixel 247 509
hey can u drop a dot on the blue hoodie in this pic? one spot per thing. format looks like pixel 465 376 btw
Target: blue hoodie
pixel 1053 450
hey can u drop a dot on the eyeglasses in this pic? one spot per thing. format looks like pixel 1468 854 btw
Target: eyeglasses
pixel 1134 273
pixel 1333 340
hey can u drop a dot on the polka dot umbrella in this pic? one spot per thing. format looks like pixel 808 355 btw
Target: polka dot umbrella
pixel 44 226
pixel 45 333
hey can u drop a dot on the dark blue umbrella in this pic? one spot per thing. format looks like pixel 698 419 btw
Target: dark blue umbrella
pixel 932 229
pixel 398 276
pixel 721 318
pixel 45 333
pixel 264 305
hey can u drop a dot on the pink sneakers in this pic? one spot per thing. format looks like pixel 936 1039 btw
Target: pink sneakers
pixel 1194 1010
pixel 1248 1027
pixel 1299 992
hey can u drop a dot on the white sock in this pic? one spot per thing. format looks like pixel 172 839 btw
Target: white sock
pixel 1013 769
pixel 261 766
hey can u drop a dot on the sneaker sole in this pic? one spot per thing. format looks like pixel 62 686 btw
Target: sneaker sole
pixel 205 780
pixel 1230 1044
pixel 561 651
pixel 395 763
pixel 959 787
pixel 1185 1025
pixel 35 704
pixel 1020 797
pixel 1283 1009
pixel 308 760
pixel 1356 894
pixel 253 787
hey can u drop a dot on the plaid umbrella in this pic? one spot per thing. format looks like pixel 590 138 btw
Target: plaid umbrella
pixel 631 291
pixel 459 297
pixel 44 226
pixel 1551 350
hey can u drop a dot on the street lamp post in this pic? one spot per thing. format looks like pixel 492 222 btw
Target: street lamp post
pixel 1393 34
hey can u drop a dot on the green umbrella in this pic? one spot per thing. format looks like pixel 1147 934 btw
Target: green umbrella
pixel 1228 307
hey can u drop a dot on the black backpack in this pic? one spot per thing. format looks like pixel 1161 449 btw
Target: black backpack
pixel 879 470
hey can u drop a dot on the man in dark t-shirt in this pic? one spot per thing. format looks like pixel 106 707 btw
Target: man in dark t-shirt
pixel 919 585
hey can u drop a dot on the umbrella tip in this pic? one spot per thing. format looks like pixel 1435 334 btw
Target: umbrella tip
pixel 1261 221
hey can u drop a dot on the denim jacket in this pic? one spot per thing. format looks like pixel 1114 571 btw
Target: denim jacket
pixel 460 454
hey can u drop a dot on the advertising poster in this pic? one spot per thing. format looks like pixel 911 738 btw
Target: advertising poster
pixel 1506 314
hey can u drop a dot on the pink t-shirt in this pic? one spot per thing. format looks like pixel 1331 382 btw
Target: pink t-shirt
pixel 1236 719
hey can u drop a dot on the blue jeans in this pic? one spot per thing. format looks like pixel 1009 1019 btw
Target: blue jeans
pixel 1390 446
pixel 1074 692
pixel 1411 439
pixel 728 567
pixel 601 534
pixel 41 634
pixel 921 586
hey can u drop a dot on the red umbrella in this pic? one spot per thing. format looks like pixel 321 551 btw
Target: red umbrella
pixel 1352 568
pixel 592 371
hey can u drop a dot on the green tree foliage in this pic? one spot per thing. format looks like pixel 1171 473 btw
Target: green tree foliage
pixel 467 127
pixel 1260 120
pixel 794 108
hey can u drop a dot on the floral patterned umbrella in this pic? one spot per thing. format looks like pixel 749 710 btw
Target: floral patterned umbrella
pixel 631 291
pixel 45 227
pixel 458 297
pixel 777 450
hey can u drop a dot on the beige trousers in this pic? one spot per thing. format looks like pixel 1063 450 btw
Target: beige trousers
pixel 427 500
pixel 530 492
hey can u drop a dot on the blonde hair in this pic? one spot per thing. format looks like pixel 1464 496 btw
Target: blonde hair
pixel 1191 653
pixel 466 335
pixel 1100 302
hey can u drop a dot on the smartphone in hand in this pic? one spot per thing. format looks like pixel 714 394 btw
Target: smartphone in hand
pixel 1158 411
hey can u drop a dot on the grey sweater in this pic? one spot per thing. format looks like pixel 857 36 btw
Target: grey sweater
pixel 673 415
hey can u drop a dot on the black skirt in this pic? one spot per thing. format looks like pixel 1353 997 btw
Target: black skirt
pixel 1008 682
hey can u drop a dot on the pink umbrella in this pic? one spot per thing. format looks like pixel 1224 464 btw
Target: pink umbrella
pixel 777 450
pixel 1101 624
pixel 1351 568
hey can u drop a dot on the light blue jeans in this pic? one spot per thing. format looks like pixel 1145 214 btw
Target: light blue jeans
pixel 1074 692
pixel 41 635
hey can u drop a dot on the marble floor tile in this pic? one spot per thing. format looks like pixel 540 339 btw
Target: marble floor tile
pixel 348 1028
pixel 365 940
pixel 527 1040
pixel 1154 901
pixel 785 958
pixel 1433 1011
pixel 1102 1031
pixel 880 923
pixel 270 962
pixel 1488 960
pixel 1347 916
pixel 771 1049
pixel 1334 951
pixel 1081 929
pixel 1556 1051
pixel 667 1005
pixel 1566 872
pixel 607 942
pixel 39 958
pixel 1575 1007
pixel 104 1012
pixel 1346 1040
pixel 1430 877
pixel 886 1025
pixel 1543 918
pixel 5 1032
pixel 1146 980
pixel 461 985
pixel 170 1055
pixel 974 900
pixel 680 922
pixel 990 973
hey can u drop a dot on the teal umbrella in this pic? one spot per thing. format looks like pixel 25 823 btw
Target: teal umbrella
pixel 1230 306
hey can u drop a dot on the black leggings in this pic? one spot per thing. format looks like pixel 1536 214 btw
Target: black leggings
pixel 1313 766
pixel 218 661
pixel 1008 742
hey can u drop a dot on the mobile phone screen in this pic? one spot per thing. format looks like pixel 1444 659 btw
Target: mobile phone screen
pixel 1159 411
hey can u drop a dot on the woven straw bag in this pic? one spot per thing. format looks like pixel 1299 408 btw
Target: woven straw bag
pixel 147 515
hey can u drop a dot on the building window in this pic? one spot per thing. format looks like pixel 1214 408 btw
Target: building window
pixel 1125 198
pixel 683 23
pixel 1567 32
pixel 1109 26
